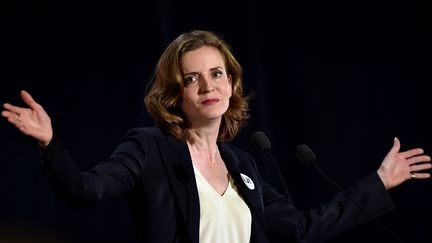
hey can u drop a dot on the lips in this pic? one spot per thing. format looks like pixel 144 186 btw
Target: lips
pixel 210 101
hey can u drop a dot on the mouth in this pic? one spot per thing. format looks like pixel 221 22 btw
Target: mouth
pixel 209 101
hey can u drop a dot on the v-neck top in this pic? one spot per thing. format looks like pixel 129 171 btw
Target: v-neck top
pixel 223 218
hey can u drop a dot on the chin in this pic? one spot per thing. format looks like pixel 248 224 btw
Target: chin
pixel 212 116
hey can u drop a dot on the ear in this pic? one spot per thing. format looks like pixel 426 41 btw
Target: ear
pixel 230 80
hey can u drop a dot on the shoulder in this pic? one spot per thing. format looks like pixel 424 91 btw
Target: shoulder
pixel 234 149
pixel 143 134
pixel 144 131
pixel 237 152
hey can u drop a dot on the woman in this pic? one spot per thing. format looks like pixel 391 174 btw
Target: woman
pixel 189 185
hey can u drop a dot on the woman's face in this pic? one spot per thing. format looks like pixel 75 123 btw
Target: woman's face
pixel 207 88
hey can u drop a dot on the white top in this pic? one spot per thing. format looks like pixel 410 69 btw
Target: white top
pixel 223 218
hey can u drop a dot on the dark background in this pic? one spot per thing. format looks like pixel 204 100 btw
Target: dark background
pixel 343 77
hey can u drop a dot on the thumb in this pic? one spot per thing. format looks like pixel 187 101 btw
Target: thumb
pixel 28 99
pixel 396 145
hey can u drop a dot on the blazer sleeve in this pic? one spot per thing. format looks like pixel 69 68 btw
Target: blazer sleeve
pixel 285 222
pixel 109 178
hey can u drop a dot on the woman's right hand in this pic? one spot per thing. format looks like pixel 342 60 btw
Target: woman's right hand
pixel 32 121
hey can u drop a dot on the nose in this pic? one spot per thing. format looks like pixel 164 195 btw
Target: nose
pixel 206 85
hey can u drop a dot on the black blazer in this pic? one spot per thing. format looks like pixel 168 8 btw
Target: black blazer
pixel 156 171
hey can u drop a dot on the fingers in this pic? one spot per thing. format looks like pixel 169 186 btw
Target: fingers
pixel 420 176
pixel 28 99
pixel 5 114
pixel 420 167
pixel 418 159
pixel 13 114
pixel 13 118
pixel 412 152
pixel 16 114
pixel 417 170
pixel 13 109
pixel 407 154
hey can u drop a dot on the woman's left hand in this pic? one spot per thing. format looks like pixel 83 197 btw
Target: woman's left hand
pixel 398 167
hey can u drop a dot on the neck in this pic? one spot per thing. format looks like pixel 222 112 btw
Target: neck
pixel 203 142
pixel 204 133
pixel 203 138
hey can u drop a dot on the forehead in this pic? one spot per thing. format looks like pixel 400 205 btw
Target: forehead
pixel 203 58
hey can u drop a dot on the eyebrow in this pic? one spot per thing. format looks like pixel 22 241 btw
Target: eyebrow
pixel 211 69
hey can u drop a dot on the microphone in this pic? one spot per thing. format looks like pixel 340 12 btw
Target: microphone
pixel 307 157
pixel 262 143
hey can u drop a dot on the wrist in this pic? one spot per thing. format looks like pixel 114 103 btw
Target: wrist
pixel 383 178
pixel 44 143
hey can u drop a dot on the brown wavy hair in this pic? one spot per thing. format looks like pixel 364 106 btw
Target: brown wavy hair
pixel 164 93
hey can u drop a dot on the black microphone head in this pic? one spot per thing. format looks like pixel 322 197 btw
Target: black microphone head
pixel 305 154
pixel 260 141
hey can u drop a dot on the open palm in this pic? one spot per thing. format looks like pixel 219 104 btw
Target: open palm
pixel 32 120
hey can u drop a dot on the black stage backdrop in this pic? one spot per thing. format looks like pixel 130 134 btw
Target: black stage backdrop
pixel 343 77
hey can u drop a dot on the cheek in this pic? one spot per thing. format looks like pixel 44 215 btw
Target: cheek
pixel 187 97
pixel 187 102
pixel 230 87
pixel 229 91
pixel 184 101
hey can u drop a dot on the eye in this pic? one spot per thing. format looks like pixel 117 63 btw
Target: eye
pixel 190 79
pixel 217 74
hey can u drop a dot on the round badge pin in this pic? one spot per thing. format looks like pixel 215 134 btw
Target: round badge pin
pixel 247 181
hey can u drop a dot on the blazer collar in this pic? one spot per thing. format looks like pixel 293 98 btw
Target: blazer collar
pixel 178 164
pixel 252 197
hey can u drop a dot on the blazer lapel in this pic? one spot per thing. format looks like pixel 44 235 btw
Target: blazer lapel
pixel 178 164
pixel 251 194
